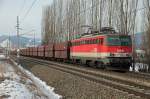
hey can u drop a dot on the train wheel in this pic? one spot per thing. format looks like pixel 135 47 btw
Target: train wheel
pixel 88 63
pixel 100 65
pixel 78 61
pixel 96 64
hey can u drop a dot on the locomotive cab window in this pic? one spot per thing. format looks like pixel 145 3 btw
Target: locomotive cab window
pixel 119 41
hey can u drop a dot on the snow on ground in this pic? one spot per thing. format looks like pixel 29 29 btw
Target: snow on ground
pixel 22 85
pixel 49 91
pixel 2 56
pixel 10 86
pixel 14 90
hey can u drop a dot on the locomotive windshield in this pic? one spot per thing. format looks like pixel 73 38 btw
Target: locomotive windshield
pixel 119 41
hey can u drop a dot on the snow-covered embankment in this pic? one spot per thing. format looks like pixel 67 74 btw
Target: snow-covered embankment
pixel 47 90
pixel 21 84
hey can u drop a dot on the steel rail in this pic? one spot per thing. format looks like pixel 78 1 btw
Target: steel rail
pixel 131 88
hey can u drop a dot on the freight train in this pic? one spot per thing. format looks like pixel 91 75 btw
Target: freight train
pixel 105 49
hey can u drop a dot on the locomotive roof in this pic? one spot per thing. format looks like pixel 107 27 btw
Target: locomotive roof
pixel 100 35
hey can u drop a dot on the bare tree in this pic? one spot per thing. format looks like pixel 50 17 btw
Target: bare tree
pixel 147 30
pixel 64 18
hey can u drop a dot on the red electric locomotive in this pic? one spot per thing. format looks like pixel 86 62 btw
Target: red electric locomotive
pixel 107 49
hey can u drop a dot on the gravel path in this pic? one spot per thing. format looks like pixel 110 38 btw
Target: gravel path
pixel 74 87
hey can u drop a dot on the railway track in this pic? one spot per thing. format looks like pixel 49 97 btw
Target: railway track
pixel 120 84
pixel 139 74
pixel 130 74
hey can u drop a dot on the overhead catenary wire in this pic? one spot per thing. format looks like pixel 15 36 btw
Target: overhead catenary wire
pixel 22 7
pixel 26 14
pixel 28 11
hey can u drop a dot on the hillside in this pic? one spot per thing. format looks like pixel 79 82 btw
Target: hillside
pixel 13 41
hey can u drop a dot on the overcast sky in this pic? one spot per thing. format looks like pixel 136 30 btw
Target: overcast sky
pixel 9 9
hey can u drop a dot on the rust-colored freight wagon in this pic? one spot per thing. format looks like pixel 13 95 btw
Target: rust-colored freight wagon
pixel 25 52
pixel 41 50
pixel 62 51
pixel 30 51
pixel 49 51
pixel 35 51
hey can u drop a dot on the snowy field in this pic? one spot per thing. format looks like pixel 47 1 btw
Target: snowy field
pixel 21 84
pixel 2 56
